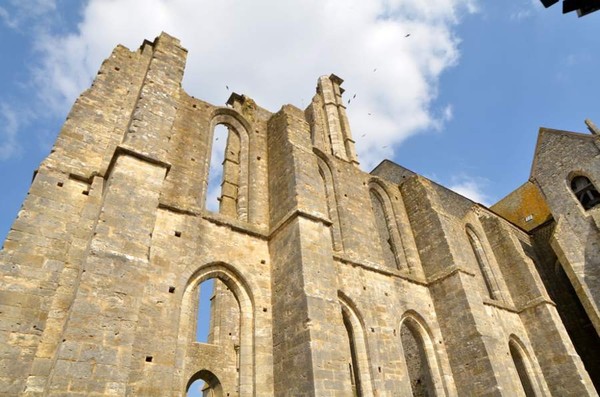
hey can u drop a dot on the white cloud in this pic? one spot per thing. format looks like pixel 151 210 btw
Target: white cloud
pixel 472 188
pixel 9 126
pixel 17 13
pixel 274 51
pixel 215 176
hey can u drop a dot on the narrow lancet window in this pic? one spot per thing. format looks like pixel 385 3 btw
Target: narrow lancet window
pixel 353 359
pixel 218 320
pixel 327 182
pixel 224 173
pixel 521 364
pixel 204 317
pixel 383 229
pixel 489 278
pixel 415 357
pixel 585 191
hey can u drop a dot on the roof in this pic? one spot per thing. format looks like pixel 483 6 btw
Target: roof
pixel 524 207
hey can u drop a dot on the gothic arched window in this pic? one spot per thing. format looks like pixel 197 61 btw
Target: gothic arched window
pixel 585 191
pixel 384 228
pixel 486 271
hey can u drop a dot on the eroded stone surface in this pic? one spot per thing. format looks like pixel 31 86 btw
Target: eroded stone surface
pixel 318 293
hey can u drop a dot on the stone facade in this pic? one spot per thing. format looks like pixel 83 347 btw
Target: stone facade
pixel 330 281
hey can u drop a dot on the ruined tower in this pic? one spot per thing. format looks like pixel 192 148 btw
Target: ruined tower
pixel 330 281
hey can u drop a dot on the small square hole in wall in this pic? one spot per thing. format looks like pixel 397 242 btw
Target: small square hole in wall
pixel 60 184
pixel 148 359
pixel 85 193
pixel 171 290
pixel 177 233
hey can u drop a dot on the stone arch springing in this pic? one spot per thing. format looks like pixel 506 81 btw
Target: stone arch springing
pixel 360 364
pixel 387 227
pixel 489 277
pixel 235 186
pixel 526 372
pixel 186 346
pixel 331 201
pixel 421 357
pixel 584 190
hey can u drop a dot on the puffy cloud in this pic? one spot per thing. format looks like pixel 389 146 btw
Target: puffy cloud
pixel 390 52
pixel 472 188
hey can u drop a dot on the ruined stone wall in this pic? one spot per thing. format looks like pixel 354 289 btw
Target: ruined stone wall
pixel 102 266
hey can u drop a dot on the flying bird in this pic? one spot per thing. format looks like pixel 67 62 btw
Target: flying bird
pixel 227 87
pixel 383 147
pixel 369 114
pixel 407 35
pixel 363 135
pixel 348 101
pixel 353 96
pixel 374 70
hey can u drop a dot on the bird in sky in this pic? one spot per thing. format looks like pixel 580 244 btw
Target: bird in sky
pixel 407 35
pixel 374 70
pixel 227 87
pixel 353 96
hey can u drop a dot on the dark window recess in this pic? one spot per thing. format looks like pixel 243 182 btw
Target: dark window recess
pixel 585 191
pixel 148 359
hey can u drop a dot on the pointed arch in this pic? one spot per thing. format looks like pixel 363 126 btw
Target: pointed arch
pixel 423 364
pixel 358 347
pixel 526 372
pixel 235 187
pixel 328 182
pixel 489 277
pixel 387 226
pixel 211 382
pixel 188 349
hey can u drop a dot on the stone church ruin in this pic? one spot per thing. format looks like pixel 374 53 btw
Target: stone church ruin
pixel 328 281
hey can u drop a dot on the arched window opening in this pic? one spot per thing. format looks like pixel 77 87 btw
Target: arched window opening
pixel 224 171
pixel 353 368
pixel 383 229
pixel 327 182
pixel 415 357
pixel 204 384
pixel 229 351
pixel 585 191
pixel 489 279
pixel 218 315
pixel 522 369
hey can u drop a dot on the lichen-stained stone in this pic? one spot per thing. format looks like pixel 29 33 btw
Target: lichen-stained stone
pixel 329 281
